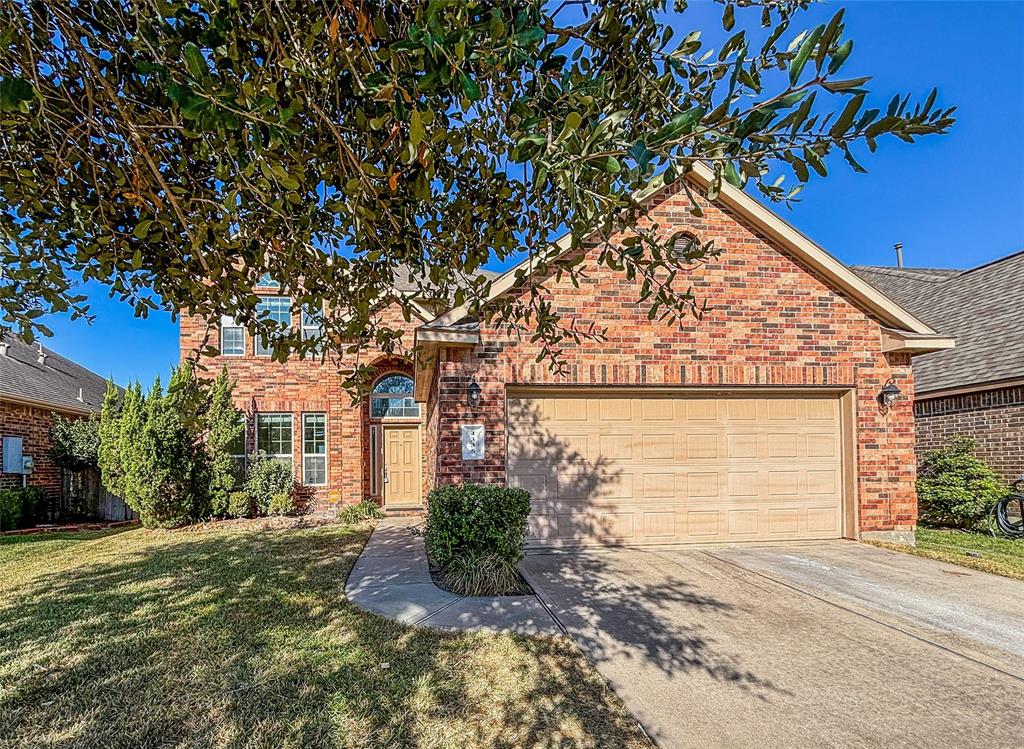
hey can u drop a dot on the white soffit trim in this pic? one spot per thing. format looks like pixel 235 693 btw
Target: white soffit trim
pixel 900 341
pixel 772 225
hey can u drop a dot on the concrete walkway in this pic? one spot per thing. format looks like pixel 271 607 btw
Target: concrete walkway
pixel 392 578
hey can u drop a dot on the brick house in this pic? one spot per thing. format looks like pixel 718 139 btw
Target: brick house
pixel 976 389
pixel 760 421
pixel 36 384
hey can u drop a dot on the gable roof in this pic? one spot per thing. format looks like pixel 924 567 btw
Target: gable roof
pixel 981 307
pixel 57 382
pixel 902 324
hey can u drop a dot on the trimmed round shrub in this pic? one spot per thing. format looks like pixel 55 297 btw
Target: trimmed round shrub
pixel 955 488
pixel 476 520
pixel 21 507
pixel 282 503
pixel 266 478
pixel 241 505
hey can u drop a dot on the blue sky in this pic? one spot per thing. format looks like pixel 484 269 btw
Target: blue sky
pixel 954 201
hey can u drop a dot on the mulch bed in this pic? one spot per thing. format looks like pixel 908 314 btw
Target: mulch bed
pixel 69 528
pixel 274 522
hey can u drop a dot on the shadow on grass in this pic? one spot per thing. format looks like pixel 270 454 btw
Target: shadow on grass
pixel 245 639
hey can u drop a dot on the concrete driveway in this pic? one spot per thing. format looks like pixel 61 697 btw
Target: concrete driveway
pixel 820 644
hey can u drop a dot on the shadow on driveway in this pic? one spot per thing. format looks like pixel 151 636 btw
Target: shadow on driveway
pixel 707 650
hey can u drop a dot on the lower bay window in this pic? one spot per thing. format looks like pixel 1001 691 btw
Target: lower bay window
pixel 274 435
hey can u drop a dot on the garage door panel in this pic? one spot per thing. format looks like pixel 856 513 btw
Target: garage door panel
pixel 660 468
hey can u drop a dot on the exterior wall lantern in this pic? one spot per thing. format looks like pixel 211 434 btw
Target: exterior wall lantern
pixel 473 393
pixel 888 394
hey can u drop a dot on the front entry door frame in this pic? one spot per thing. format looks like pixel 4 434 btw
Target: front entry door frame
pixel 411 496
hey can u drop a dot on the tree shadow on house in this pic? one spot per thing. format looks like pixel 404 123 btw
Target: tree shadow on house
pixel 244 639
pixel 617 606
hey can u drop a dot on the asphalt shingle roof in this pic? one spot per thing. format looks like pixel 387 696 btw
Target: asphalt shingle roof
pixel 56 382
pixel 981 308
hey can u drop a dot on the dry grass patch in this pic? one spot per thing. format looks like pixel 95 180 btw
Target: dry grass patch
pixel 240 636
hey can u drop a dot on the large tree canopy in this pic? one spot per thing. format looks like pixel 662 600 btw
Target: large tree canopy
pixel 176 150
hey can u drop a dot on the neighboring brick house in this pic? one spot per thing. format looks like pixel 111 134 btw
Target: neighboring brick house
pixel 976 389
pixel 35 384
pixel 760 421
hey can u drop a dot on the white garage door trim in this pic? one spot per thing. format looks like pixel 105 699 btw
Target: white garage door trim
pixel 843 421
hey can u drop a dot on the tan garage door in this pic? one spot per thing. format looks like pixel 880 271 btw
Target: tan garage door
pixel 668 468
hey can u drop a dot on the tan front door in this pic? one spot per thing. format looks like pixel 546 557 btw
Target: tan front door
pixel 402 465
pixel 670 468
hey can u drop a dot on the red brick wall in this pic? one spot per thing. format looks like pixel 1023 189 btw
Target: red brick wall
pixel 771 321
pixel 297 387
pixel 32 424
pixel 994 418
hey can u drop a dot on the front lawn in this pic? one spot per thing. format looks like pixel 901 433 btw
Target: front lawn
pixel 241 637
pixel 1000 556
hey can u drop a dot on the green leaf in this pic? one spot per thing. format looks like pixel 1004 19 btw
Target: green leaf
pixel 853 162
pixel 15 93
pixel 848 85
pixel 732 176
pixel 416 133
pixel 845 119
pixel 470 87
pixel 839 56
pixel 572 122
pixel 803 54
pixel 816 163
pixel 195 61
pixel 142 229
pixel 729 17
pixel 530 36
pixel 609 164
pixel 682 123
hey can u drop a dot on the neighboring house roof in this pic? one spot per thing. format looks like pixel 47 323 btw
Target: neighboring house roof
pixel 980 307
pixel 906 331
pixel 57 382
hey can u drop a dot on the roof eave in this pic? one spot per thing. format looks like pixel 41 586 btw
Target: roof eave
pixel 83 410
pixel 907 342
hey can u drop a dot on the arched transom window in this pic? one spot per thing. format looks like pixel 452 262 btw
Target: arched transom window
pixel 392 398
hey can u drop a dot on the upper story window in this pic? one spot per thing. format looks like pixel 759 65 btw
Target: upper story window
pixel 277 309
pixel 392 398
pixel 232 337
pixel 267 281
pixel 313 325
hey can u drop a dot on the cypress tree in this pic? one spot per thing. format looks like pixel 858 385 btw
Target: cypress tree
pixel 225 429
pixel 132 420
pixel 109 454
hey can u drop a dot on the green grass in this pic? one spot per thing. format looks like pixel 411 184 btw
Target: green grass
pixel 1000 556
pixel 242 637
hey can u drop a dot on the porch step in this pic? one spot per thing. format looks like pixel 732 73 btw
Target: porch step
pixel 404 512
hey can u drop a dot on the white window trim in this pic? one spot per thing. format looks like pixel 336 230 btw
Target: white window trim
pixel 394 396
pixel 228 322
pixel 290 456
pixel 244 455
pixel 257 340
pixel 374 459
pixel 314 455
